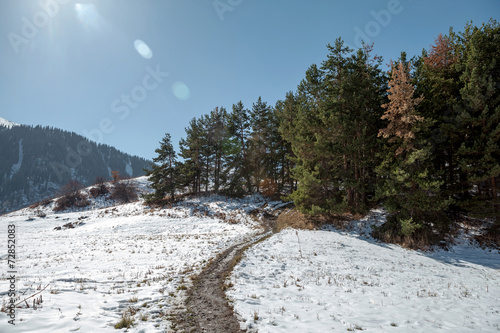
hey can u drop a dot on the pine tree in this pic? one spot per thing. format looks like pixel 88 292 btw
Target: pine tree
pixel 301 126
pixel 400 111
pixel 409 187
pixel 259 147
pixel 163 172
pixel 363 88
pixel 334 132
pixel 191 148
pixel 237 149
pixel 437 79
pixel 479 118
pixel 286 114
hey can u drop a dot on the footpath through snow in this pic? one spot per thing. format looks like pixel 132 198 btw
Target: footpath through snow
pixel 103 263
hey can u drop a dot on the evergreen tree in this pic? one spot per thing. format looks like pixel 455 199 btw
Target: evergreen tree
pixel 163 172
pixel 217 142
pixel 206 151
pixel 437 79
pixel 259 154
pixel 479 118
pixel 302 128
pixel 286 113
pixel 191 150
pixel 409 186
pixel 333 135
pixel 237 149
pixel 360 122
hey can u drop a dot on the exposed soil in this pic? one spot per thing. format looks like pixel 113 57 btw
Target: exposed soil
pixel 206 308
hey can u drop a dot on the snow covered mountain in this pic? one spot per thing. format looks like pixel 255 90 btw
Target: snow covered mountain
pixel 6 123
pixel 36 161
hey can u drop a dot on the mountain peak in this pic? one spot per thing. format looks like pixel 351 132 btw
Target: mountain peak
pixel 6 123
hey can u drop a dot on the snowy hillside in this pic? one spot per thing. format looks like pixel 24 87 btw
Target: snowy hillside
pixel 107 261
pixel 331 281
pixel 99 263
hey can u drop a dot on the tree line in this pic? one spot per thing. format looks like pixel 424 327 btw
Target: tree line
pixel 421 139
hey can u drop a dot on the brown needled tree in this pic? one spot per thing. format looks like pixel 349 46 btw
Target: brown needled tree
pixel 400 111
pixel 409 187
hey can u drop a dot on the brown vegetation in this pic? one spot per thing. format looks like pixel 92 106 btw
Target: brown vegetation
pixel 71 197
pixel 268 187
pixel 100 188
pixel 124 191
pixel 293 218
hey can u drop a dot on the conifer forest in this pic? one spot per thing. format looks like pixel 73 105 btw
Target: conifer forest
pixel 418 137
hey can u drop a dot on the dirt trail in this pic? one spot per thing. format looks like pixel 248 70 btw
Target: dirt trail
pixel 206 308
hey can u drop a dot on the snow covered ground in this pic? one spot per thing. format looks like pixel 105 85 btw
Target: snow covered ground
pixel 106 260
pixel 331 281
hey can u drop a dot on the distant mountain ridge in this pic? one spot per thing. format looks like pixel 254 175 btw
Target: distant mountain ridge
pixel 36 161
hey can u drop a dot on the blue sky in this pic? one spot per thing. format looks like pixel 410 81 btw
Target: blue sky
pixel 125 72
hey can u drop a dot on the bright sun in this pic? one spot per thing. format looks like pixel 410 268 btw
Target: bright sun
pixel 87 13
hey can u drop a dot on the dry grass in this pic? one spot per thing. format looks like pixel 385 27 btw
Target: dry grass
pixel 418 241
pixel 294 219
pixel 125 322
pixel 489 237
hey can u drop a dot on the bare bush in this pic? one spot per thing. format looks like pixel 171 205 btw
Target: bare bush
pixel 125 191
pixel 268 187
pixel 100 188
pixel 71 197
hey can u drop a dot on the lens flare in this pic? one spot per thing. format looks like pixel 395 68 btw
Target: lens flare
pixel 143 49
pixel 181 91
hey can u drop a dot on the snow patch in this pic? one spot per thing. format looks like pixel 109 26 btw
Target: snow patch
pixel 17 166
pixel 128 169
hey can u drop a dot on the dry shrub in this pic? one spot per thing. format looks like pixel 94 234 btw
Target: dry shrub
pixel 418 241
pixel 125 191
pixel 167 201
pixel 35 205
pixel 71 197
pixel 98 191
pixel 423 238
pixel 268 187
pixel 75 199
pixel 100 188
pixel 45 202
pixel 293 218
pixel 126 321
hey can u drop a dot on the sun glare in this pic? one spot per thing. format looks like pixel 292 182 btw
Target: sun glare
pixel 87 13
